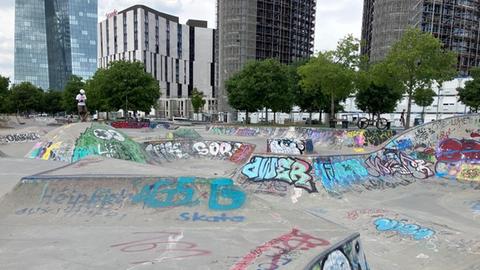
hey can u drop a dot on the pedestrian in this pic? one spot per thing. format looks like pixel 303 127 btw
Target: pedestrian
pixel 402 118
pixel 81 105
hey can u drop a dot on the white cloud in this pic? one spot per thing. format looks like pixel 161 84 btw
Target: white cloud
pixel 335 19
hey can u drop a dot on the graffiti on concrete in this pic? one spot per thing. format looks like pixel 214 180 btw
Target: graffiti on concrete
pixel 371 212
pixel 19 138
pixel 160 243
pixel 130 124
pixel 184 133
pixel 109 143
pixel 289 146
pixel 293 171
pixel 392 162
pixel 164 193
pixel 403 228
pixel 173 150
pixel 458 159
pixel 346 255
pixel 275 188
pixel 57 151
pixel 69 202
pixel 196 217
pixel 280 247
pixel 336 175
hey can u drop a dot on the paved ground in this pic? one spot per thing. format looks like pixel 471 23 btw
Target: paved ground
pixel 101 213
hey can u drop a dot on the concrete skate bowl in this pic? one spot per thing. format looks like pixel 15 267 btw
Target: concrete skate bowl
pixel 148 222
pixel 356 140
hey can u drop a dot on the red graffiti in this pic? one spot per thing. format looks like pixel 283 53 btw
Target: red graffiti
pixel 125 124
pixel 453 150
pixel 285 244
pixel 161 244
pixel 475 135
pixel 242 154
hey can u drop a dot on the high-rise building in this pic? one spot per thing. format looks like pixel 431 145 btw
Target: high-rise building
pixel 180 57
pixel 455 23
pixel 53 40
pixel 261 29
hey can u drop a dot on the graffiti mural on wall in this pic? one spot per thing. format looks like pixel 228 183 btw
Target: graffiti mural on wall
pixel 165 193
pixel 279 248
pixel 101 141
pixel 58 151
pixel 458 159
pixel 289 146
pixel 184 133
pixel 19 138
pixel 336 175
pixel 173 150
pixel 294 171
pixel 403 228
pixel 130 124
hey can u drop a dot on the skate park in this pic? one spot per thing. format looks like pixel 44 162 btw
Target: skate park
pixel 91 196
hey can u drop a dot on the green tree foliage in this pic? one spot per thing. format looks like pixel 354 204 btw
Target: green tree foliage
pixel 418 60
pixel 52 102
pixel 423 98
pixel 4 93
pixel 26 97
pixel 72 88
pixel 333 72
pixel 470 94
pixel 261 84
pixel 123 85
pixel 198 100
pixel 375 94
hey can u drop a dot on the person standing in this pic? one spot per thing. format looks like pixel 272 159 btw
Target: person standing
pixel 82 105
pixel 402 118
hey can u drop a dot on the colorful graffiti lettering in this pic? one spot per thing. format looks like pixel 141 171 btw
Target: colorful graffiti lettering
pixel 337 260
pixel 130 124
pixel 161 242
pixel 224 195
pixel 294 171
pixel 242 154
pixel 289 146
pixel 403 228
pixel 458 159
pixel 195 217
pixel 51 151
pixel 337 175
pixel 393 162
pixel 19 138
pixel 284 245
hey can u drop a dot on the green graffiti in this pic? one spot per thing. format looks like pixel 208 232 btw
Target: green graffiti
pixel 108 142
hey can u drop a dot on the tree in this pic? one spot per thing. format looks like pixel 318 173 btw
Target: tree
pixel 418 60
pixel 260 84
pixel 52 102
pixel 470 94
pixel 26 97
pixel 333 72
pixel 424 98
pixel 124 85
pixel 198 100
pixel 375 94
pixel 4 83
pixel 72 88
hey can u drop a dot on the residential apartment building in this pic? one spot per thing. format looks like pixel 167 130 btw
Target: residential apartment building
pixel 456 23
pixel 180 57
pixel 261 29
pixel 53 40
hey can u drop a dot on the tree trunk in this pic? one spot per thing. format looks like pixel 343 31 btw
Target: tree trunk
pixel 246 118
pixel 320 117
pixel 423 115
pixel 310 118
pixel 266 115
pixel 409 108
pixel 332 108
pixel 274 118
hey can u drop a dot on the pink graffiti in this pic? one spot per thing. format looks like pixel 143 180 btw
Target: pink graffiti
pixel 242 154
pixel 294 240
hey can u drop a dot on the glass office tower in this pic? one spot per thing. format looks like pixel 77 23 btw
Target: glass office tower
pixel 53 40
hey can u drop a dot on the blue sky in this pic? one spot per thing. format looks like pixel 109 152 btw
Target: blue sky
pixel 335 19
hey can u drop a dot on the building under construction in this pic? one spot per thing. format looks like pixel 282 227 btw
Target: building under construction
pixel 455 22
pixel 261 29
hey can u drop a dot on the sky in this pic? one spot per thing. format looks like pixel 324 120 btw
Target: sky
pixel 335 19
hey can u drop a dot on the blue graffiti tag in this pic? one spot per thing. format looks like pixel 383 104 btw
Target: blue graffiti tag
pixel 339 174
pixel 417 232
pixel 169 193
